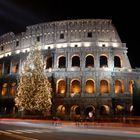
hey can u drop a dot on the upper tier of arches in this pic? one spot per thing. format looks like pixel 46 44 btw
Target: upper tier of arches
pixel 98 31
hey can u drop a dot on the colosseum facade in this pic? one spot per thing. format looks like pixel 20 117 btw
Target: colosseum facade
pixel 85 61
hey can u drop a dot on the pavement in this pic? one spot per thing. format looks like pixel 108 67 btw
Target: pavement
pixel 71 124
pixel 102 129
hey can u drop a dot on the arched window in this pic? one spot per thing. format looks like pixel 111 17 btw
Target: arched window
pixel 90 87
pixel 117 61
pixel 75 87
pixel 119 87
pixel 7 68
pixel 49 63
pixel 61 109
pixel 13 89
pixel 61 87
pixel 119 110
pixel 89 61
pixel 103 61
pixel 90 109
pixel 131 87
pixel 4 89
pixel 75 61
pixel 105 110
pixel 104 87
pixel 75 110
pixel 62 62
pixel 15 68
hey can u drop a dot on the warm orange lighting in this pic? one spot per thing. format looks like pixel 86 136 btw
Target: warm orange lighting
pixel 105 110
pixel 90 87
pixel 119 88
pixel 75 86
pixel 61 109
pixel 4 89
pixel 61 87
pixel 131 87
pixel 120 108
pixel 62 91
pixel 14 69
pixel 104 87
pixel 73 107
pixel 76 89
pixel 13 89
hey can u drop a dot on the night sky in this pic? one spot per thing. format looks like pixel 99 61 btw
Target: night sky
pixel 15 15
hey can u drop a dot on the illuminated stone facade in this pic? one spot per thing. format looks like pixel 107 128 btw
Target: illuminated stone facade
pixel 85 61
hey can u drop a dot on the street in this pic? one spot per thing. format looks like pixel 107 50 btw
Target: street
pixel 43 130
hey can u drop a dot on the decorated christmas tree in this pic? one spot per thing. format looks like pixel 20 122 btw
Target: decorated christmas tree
pixel 34 89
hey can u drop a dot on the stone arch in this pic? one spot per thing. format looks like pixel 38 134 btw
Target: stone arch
pixel 15 68
pixel 75 61
pixel 104 86
pixel 7 67
pixel 61 86
pixel 4 89
pixel 90 86
pixel 89 61
pixel 130 86
pixel 49 62
pixel 61 61
pixel 61 110
pixel 13 88
pixel 88 109
pixel 75 87
pixel 8 105
pixel 117 61
pixel 75 110
pixel 104 110
pixel 119 109
pixel 119 86
pixel 103 61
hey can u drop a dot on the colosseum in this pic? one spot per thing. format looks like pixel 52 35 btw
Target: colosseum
pixel 85 61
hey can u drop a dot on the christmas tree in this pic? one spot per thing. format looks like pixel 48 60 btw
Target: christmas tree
pixel 34 89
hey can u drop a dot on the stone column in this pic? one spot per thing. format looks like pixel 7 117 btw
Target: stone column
pixel 112 87
pixel 69 60
pixel 126 86
pixel 11 64
pixel 96 60
pixel 97 112
pixel 82 61
pixel 20 66
pixel 82 85
pixel 66 56
pixel 97 83
pixel 2 68
pixel 82 110
pixel 68 87
pixel 54 60
pixel 110 59
pixel 67 112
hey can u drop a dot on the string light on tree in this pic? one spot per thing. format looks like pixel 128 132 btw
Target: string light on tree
pixel 34 89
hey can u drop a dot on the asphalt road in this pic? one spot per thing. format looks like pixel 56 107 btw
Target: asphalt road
pixel 23 130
